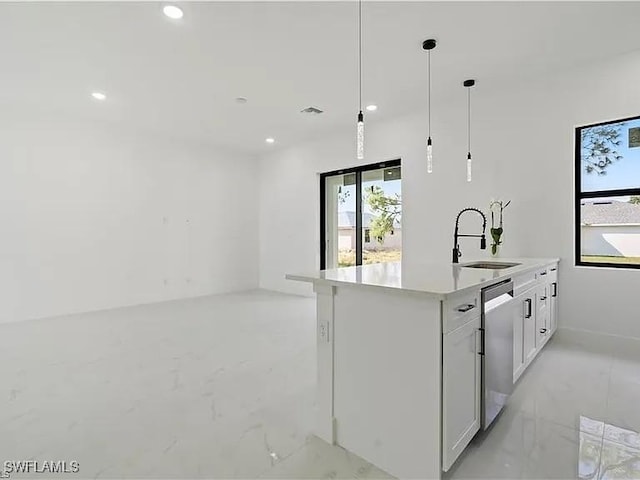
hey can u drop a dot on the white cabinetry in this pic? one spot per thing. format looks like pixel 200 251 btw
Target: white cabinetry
pixel 537 318
pixel 524 331
pixel 542 315
pixel 534 313
pixel 553 307
pixel 518 335
pixel 529 317
pixel 529 325
pixel 461 389
pixel 553 300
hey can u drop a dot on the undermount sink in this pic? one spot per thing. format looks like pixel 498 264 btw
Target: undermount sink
pixel 490 265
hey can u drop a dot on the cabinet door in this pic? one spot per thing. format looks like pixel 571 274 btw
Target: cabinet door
pixel 518 338
pixel 529 322
pixel 542 314
pixel 461 388
pixel 553 307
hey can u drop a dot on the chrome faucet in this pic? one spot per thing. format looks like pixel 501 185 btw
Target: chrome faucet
pixel 483 241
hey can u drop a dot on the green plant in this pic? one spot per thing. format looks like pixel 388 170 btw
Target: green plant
pixel 387 212
pixel 600 147
pixel 497 208
pixel 496 233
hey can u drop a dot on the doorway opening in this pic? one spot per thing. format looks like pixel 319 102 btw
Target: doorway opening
pixel 361 215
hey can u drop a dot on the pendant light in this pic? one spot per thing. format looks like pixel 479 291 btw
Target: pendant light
pixel 468 84
pixel 360 125
pixel 429 45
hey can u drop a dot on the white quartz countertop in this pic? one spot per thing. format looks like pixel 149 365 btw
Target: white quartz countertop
pixel 435 279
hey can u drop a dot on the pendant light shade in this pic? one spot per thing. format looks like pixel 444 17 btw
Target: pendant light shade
pixel 360 123
pixel 468 84
pixel 429 45
pixel 360 137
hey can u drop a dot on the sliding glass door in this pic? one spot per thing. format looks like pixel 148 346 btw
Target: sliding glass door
pixel 340 224
pixel 361 215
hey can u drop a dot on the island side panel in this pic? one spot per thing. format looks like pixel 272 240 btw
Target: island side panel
pixel 325 345
pixel 387 379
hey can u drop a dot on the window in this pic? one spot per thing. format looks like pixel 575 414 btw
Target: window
pixel 608 194
pixel 361 215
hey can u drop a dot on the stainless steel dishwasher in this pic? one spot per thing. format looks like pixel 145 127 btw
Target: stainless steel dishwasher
pixel 497 349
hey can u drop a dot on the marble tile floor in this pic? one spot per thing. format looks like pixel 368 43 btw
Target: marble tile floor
pixel 223 387
pixel 212 387
pixel 574 414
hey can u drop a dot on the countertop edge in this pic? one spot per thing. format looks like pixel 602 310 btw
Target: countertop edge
pixel 508 273
pixel 504 274
pixel 368 286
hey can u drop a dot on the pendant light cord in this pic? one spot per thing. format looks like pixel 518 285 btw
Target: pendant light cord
pixel 429 88
pixel 360 50
pixel 469 119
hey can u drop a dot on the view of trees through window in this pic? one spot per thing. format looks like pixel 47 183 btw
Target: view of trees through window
pixel 608 193
pixel 375 191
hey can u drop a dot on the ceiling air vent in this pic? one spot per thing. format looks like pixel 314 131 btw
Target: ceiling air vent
pixel 311 111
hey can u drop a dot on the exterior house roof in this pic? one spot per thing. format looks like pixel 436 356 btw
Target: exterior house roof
pixel 348 220
pixel 609 212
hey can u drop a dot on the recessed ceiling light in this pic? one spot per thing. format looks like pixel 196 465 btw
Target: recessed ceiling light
pixel 270 140
pixel 372 108
pixel 172 11
pixel 99 96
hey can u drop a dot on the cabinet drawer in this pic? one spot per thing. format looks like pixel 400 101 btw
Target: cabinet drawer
pixel 459 310
pixel 542 274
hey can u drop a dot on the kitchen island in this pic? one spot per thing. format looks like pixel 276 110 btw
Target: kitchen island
pixel 399 378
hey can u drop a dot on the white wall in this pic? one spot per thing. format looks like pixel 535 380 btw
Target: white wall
pixel 523 150
pixel 289 196
pixel 615 240
pixel 535 151
pixel 95 218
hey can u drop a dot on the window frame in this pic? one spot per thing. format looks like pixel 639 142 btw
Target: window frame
pixel 579 196
pixel 358 170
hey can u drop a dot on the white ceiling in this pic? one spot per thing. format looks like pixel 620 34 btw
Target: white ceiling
pixel 181 77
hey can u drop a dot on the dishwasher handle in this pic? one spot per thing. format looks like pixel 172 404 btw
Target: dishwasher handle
pixel 480 347
pixel 494 291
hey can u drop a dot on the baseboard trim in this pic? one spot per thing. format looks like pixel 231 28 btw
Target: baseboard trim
pixel 126 305
pixel 597 340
